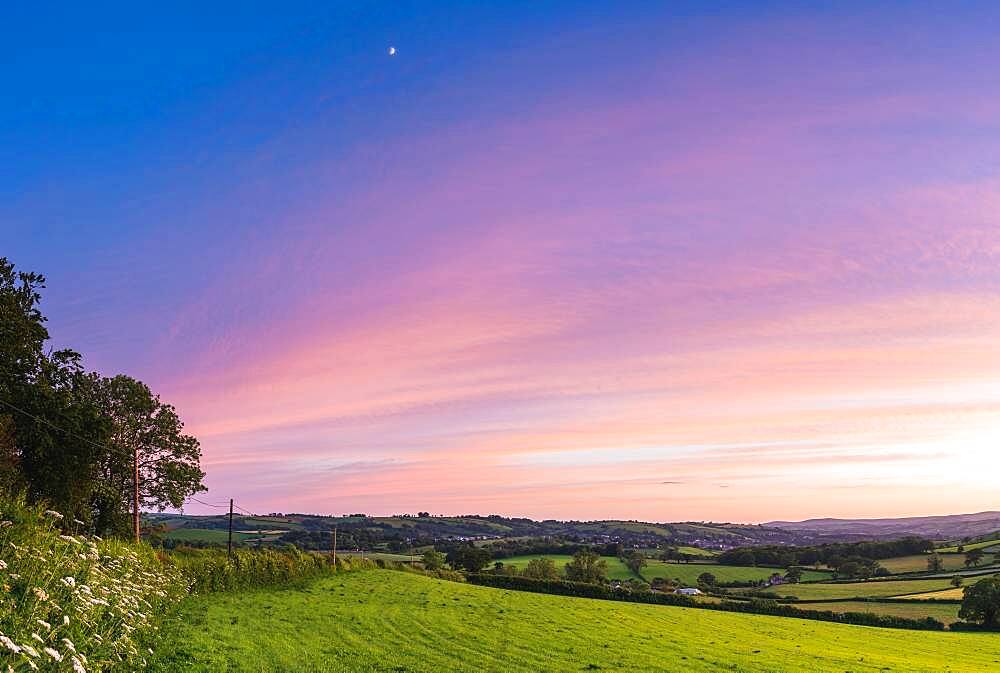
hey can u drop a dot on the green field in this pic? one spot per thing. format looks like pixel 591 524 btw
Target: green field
pixel 947 613
pixel 688 573
pixel 696 551
pixel 874 589
pixel 918 563
pixel 391 621
pixel 207 535
pixel 617 570
pixel 985 546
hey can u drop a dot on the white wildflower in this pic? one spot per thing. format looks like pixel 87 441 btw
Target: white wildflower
pixel 69 581
pixel 69 645
pixel 78 666
pixel 52 653
pixel 65 620
pixel 38 638
pixel 41 622
pixel 69 538
pixel 30 650
pixel 40 594
pixel 10 644
pixel 3 564
pixel 54 514
pixel 5 523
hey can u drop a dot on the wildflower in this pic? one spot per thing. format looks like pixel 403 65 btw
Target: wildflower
pixel 10 644
pixel 38 638
pixel 5 523
pixel 31 651
pixel 78 666
pixel 52 653
pixel 48 627
pixel 3 564
pixel 69 538
pixel 69 645
pixel 69 581
pixel 65 620
pixel 40 594
pixel 54 514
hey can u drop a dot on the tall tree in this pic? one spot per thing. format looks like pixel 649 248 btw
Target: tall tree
pixel 151 463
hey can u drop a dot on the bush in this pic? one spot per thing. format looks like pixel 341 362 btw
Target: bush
pixel 73 602
pixel 212 570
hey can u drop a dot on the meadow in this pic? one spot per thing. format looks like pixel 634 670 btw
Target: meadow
pixel 382 620
pixel 687 573
pixel 986 546
pixel 873 589
pixel 943 612
pixel 918 563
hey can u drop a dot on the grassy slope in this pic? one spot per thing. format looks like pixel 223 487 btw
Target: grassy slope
pixel 947 613
pixel 391 621
pixel 918 563
pixel 616 569
pixel 685 572
pixel 874 589
pixel 688 573
pixel 986 545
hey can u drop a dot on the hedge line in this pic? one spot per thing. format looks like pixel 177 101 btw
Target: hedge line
pixel 758 607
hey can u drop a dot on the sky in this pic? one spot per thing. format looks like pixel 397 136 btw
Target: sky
pixel 657 261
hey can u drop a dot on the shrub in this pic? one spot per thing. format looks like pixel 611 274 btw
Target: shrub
pixel 212 570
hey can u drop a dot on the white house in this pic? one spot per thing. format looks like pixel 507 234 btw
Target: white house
pixel 688 591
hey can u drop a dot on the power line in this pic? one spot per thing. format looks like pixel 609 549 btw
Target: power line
pixel 54 426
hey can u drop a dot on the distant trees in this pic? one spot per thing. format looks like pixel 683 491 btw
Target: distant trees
pixel 635 560
pixel 973 557
pixel 956 581
pixel 541 569
pixel 934 563
pixel 793 574
pixel 469 558
pixel 982 602
pixel 587 566
pixel 828 554
pixel 74 440
pixel 433 559
pixel 707 580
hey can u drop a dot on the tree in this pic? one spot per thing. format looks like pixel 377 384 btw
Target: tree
pixel 433 560
pixel 934 563
pixel 982 602
pixel 706 580
pixel 635 560
pixel 469 558
pixel 541 569
pixel 793 574
pixel 151 462
pixel 973 557
pixel 587 566
pixel 956 581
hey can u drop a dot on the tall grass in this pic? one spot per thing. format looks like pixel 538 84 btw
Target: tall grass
pixel 76 603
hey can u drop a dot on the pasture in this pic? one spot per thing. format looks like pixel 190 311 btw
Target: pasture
pixel 374 620
pixel 986 546
pixel 918 563
pixel 873 589
pixel 946 612
pixel 953 594
pixel 213 535
pixel 687 573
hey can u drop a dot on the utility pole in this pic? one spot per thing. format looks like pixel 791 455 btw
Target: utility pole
pixel 230 529
pixel 135 492
pixel 334 547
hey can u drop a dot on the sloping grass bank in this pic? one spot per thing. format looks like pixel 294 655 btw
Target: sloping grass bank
pixel 70 602
pixel 392 621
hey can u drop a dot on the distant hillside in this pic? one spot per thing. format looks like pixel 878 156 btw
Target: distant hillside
pixel 947 527
pixel 311 530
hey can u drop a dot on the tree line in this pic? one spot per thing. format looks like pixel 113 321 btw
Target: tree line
pixel 848 559
pixel 97 449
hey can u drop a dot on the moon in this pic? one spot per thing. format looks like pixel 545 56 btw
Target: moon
pixel 392 51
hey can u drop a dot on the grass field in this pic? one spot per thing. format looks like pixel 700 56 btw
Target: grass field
pixel 687 573
pixel 616 569
pixel 875 589
pixel 948 594
pixel 945 613
pixel 985 546
pixel 918 563
pixel 207 535
pixel 390 621
pixel 696 551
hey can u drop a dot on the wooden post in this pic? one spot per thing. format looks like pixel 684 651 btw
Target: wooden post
pixel 334 547
pixel 230 529
pixel 135 492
